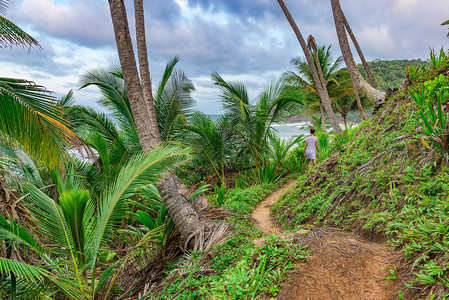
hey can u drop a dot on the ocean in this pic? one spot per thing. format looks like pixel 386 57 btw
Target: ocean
pixel 287 130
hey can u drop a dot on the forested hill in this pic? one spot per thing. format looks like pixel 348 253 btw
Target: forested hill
pixel 390 73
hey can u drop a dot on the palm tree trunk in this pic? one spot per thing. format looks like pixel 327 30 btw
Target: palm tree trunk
pixel 144 67
pixel 357 80
pixel 190 223
pixel 145 130
pixel 322 91
pixel 323 124
pixel 359 51
pixel 323 82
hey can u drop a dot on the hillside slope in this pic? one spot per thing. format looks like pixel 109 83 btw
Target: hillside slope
pixel 390 74
pixel 387 182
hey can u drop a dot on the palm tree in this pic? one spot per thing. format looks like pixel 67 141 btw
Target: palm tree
pixel 373 94
pixel 343 105
pixel 77 227
pixel 215 147
pixel 11 34
pixel 359 51
pixel 336 83
pixel 252 124
pixel 116 141
pixel 192 225
pixel 321 88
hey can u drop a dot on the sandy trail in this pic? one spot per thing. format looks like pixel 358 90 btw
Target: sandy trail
pixel 341 265
pixel 262 211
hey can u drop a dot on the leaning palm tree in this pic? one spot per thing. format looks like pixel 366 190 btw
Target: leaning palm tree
pixel 336 83
pixel 192 225
pixel 321 88
pixel 358 82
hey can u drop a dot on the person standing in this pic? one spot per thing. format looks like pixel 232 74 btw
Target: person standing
pixel 311 150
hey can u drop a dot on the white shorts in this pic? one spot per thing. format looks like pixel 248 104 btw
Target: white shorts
pixel 310 154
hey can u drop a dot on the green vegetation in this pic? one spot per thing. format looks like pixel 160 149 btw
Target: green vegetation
pixel 390 74
pixel 81 210
pixel 389 177
pixel 72 226
pixel 236 269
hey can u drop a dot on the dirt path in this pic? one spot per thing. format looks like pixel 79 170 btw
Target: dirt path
pixel 262 211
pixel 341 265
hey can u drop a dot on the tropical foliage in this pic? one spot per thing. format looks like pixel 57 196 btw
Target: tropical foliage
pixel 11 34
pixel 78 227
pixel 337 80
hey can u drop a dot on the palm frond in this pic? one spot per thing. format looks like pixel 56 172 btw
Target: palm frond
pixel 4 6
pixel 173 101
pixel 31 117
pixel 52 223
pixel 140 170
pixel 112 86
pixel 234 97
pixel 12 231
pixel 12 35
pixel 31 273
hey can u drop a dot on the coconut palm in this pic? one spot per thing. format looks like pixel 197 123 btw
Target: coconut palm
pixel 321 87
pixel 214 147
pixel 337 83
pixel 252 123
pixel 359 51
pixel 78 229
pixel 115 142
pixel 343 105
pixel 358 82
pixel 280 149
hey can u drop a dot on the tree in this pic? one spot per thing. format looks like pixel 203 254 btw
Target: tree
pixel 193 226
pixel 358 82
pixel 214 146
pixel 251 123
pixel 336 83
pixel 359 51
pixel 78 228
pixel 321 88
pixel 343 105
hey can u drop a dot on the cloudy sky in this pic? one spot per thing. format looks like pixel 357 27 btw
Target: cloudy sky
pixel 243 40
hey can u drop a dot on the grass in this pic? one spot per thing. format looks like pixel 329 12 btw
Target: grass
pixel 236 269
pixel 382 180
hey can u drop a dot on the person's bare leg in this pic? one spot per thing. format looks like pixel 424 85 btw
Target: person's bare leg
pixel 311 164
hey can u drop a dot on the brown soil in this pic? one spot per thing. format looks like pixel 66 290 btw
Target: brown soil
pixel 341 265
pixel 261 213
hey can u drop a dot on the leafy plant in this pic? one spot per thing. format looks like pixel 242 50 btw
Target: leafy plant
pixel 430 109
pixel 78 229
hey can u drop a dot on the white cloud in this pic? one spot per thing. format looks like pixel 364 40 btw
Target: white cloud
pixel 86 22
